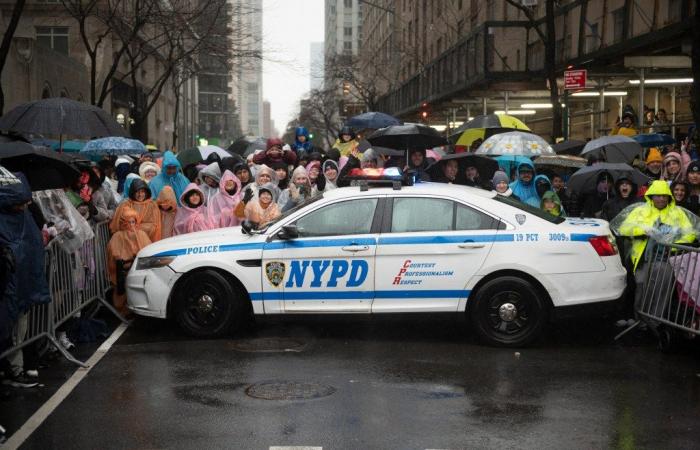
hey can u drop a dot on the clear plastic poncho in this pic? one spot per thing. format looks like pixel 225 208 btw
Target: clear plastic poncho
pixel 72 229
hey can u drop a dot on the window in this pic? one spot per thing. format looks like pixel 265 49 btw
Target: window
pixel 592 38
pixel 347 3
pixel 347 31
pixel 55 38
pixel 530 209
pixel 437 215
pixel 347 46
pixel 351 217
pixel 618 19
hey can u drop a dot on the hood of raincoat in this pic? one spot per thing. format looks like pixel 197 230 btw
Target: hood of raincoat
pixel 346 130
pixel 659 187
pixel 221 206
pixel 524 191
pixel 167 198
pixel 542 179
pixel 188 219
pixel 301 146
pixel 272 189
pixel 268 170
pixel 146 166
pixel 27 285
pixel 127 184
pixel 126 216
pixel 137 184
pixel 178 181
pixel 212 170
pixel 551 195
pixel 329 163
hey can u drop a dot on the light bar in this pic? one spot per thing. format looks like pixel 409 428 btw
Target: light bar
pixel 389 173
pixel 597 94
pixel 517 112
pixel 664 81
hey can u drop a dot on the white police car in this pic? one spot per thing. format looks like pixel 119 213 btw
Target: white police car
pixel 427 248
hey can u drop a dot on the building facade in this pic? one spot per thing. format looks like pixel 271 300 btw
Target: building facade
pixel 48 59
pixel 468 57
pixel 316 52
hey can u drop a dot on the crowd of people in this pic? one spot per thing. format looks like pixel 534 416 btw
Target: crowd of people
pixel 146 199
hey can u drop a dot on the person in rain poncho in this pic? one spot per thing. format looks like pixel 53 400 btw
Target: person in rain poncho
pixel 524 186
pixel 104 194
pixel 625 195
pixel 210 177
pixel 220 209
pixel 148 213
pixel 263 209
pixel 171 175
pixel 167 204
pixel 330 172
pixel 658 217
pixel 302 141
pixel 346 141
pixel 242 172
pixel 263 175
pixel 500 185
pixel 122 248
pixel 148 170
pixel 275 153
pixel 592 202
pixel 316 177
pixel 23 281
pixel 300 189
pixel 551 204
pixel 191 214
pixel 542 185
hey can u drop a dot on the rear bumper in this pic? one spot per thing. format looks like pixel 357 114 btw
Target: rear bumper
pixel 598 309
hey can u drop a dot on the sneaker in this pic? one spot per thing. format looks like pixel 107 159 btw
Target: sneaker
pixel 65 342
pixel 19 381
pixel 621 323
pixel 32 373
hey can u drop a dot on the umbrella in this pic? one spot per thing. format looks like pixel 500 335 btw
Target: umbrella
pixel 207 150
pixel 570 147
pixel 614 149
pixel 113 146
pixel 515 143
pixel 485 126
pixel 59 116
pixel 556 161
pixel 189 157
pixel 384 151
pixel 247 145
pixel 508 163
pixel 373 120
pixel 407 137
pixel 586 178
pixel 485 165
pixel 8 178
pixel 44 168
pixel 654 140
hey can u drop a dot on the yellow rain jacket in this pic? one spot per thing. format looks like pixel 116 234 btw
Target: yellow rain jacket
pixel 345 147
pixel 647 215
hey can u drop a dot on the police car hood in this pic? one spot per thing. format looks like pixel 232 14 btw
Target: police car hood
pixel 200 242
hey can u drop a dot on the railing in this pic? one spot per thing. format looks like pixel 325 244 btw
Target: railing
pixel 75 281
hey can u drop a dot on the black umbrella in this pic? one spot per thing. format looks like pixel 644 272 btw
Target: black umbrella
pixel 44 168
pixel 61 116
pixel 485 165
pixel 613 149
pixel 586 178
pixel 247 145
pixel 571 147
pixel 412 136
pixel 364 145
pixel 372 120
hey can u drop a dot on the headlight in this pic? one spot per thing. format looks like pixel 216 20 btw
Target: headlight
pixel 153 262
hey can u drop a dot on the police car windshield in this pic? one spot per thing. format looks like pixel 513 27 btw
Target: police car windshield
pixel 293 210
pixel 531 209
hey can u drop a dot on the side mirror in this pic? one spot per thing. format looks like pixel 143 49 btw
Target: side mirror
pixel 288 232
pixel 247 227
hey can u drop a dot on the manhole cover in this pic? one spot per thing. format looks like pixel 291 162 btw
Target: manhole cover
pixel 288 390
pixel 268 345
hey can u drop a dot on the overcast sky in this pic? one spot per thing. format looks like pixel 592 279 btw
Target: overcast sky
pixel 289 26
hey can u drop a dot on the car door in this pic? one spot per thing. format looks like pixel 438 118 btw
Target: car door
pixel 330 266
pixel 428 251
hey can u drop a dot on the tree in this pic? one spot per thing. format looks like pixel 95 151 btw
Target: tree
pixel 6 41
pixel 319 114
pixel 549 40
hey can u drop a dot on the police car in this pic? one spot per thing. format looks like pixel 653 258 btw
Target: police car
pixel 430 247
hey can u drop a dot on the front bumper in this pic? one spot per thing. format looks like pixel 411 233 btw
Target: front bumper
pixel 148 291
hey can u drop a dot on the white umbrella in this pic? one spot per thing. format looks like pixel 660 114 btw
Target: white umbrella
pixel 515 143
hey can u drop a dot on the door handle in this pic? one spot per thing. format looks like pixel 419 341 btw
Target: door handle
pixel 471 245
pixel 355 248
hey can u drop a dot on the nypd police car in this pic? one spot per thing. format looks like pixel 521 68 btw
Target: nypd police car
pixel 431 247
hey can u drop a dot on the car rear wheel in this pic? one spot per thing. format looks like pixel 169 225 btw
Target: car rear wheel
pixel 508 312
pixel 206 305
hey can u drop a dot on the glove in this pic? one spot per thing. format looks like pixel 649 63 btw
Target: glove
pixel 92 208
pixel 247 196
pixel 321 182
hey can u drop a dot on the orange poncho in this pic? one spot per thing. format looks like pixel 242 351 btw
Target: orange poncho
pixel 166 199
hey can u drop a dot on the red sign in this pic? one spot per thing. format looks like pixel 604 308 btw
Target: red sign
pixel 575 79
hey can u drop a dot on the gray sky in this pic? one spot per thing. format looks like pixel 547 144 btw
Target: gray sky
pixel 288 28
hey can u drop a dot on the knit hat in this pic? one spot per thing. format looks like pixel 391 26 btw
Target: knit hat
pixel 694 166
pixel 654 155
pixel 272 142
pixel 499 176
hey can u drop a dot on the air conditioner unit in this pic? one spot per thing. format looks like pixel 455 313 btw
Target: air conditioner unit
pixel 528 2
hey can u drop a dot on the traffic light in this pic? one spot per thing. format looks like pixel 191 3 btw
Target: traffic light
pixel 424 113
pixel 346 88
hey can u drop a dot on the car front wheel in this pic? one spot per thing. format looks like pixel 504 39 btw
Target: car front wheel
pixel 508 312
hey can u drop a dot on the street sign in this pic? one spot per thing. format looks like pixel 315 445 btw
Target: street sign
pixel 575 79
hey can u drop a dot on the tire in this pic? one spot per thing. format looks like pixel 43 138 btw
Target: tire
pixel 668 342
pixel 501 325
pixel 206 305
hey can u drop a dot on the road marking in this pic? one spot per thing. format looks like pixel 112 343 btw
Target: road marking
pixel 51 404
pixel 293 447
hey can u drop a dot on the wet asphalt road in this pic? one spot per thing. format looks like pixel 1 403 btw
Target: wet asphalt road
pixel 407 383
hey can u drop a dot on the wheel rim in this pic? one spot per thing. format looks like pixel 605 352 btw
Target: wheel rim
pixel 205 305
pixel 509 313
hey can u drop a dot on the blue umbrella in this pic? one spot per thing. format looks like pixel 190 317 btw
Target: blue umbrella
pixel 114 146
pixel 509 162
pixel 373 120
pixel 654 140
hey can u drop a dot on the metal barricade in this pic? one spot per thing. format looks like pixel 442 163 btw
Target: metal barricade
pixel 670 302
pixel 75 281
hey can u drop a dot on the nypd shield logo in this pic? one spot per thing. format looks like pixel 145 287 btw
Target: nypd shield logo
pixel 274 271
pixel 520 218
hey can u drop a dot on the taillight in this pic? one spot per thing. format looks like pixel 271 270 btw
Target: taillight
pixel 603 245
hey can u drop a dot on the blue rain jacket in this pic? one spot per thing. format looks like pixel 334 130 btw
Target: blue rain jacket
pixel 178 181
pixel 525 191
